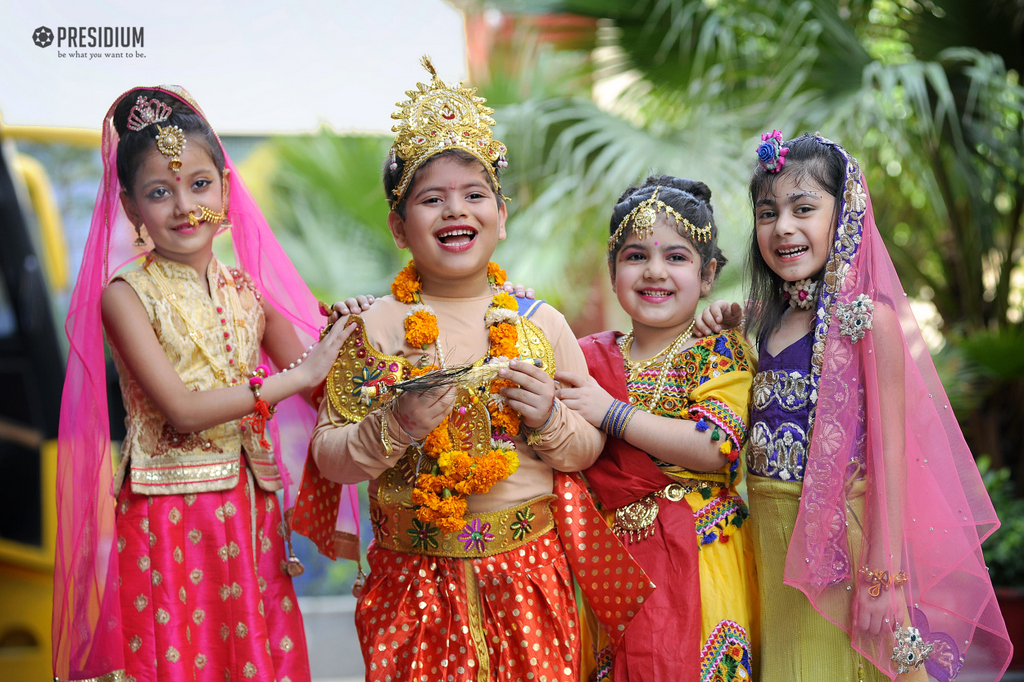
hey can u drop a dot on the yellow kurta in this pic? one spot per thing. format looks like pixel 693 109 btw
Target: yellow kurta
pixel 710 383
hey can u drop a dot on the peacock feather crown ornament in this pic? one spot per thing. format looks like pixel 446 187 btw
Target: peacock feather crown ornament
pixel 438 117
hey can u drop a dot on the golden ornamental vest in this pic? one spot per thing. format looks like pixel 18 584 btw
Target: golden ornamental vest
pixel 212 341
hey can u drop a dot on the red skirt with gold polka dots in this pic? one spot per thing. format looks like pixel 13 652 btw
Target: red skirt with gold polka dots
pixel 204 595
pixel 510 616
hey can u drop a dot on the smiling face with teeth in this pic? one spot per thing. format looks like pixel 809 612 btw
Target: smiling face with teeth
pixel 795 224
pixel 453 221
pixel 658 281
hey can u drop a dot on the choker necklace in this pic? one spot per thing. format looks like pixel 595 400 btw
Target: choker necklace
pixel 635 367
pixel 800 294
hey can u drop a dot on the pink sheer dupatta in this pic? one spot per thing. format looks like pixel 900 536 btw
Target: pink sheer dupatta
pixel 926 509
pixel 87 640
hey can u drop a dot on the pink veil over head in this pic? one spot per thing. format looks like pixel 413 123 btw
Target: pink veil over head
pixel 926 510
pixel 87 641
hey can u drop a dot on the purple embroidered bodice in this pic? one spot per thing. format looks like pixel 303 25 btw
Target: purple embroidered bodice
pixel 780 409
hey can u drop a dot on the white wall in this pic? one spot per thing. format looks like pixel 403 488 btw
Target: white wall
pixel 255 67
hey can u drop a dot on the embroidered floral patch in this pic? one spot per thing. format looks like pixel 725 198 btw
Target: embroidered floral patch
pixel 855 317
pixel 476 535
pixel 521 526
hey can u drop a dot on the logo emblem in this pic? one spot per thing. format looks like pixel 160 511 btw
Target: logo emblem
pixel 42 36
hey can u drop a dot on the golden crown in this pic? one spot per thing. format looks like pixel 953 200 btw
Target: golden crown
pixel 437 117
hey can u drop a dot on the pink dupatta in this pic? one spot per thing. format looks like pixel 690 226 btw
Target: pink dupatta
pixel 87 641
pixel 927 511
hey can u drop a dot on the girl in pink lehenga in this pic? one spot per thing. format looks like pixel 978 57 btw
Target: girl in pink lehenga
pixel 867 510
pixel 173 567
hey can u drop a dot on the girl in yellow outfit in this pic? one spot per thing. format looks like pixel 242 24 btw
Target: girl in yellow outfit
pixel 676 413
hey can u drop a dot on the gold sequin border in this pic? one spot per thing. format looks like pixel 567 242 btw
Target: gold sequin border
pixel 399 530
pixel 352 364
pixel 116 676
pixel 476 623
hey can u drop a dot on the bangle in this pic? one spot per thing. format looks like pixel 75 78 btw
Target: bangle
pixel 256 381
pixel 533 437
pixel 617 418
pixel 879 580
pixel 263 411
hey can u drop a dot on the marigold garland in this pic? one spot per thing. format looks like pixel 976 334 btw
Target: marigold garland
pixel 440 494
pixel 421 328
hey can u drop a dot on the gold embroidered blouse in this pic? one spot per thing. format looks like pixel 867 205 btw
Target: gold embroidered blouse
pixel 213 341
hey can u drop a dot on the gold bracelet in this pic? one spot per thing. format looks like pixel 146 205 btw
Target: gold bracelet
pixel 385 437
pixel 879 580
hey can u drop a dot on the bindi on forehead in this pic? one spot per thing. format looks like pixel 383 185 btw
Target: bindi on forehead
pixel 803 193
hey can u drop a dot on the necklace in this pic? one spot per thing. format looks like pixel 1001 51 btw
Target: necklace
pixel 635 368
pixel 220 370
pixel 800 294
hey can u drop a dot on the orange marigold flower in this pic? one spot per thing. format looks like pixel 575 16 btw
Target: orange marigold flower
pixel 421 329
pixel 495 273
pixel 503 338
pixel 420 371
pixel 504 418
pixel 438 441
pixel 406 284
pixel 425 498
pixel 511 459
pixel 456 464
pixel 454 507
pixel 451 524
pixel 499 384
pixel 506 301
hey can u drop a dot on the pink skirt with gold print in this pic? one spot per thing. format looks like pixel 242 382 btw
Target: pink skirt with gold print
pixel 204 595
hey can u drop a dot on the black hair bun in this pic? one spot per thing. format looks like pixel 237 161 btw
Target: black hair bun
pixel 698 189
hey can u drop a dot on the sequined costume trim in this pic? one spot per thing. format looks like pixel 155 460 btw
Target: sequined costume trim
pixel 717 519
pixel 723 416
pixel 116 676
pixel 178 475
pixel 781 453
pixel 485 534
pixel 791 390
pixel 725 656
pixel 476 623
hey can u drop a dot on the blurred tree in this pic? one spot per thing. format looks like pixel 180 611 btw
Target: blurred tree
pixel 926 93
pixel 594 94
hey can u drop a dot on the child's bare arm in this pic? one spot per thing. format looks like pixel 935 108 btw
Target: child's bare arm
pixel 129 331
pixel 883 528
pixel 718 316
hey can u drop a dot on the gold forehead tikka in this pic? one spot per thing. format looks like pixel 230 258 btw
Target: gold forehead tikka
pixel 646 213
pixel 170 141
pixel 437 117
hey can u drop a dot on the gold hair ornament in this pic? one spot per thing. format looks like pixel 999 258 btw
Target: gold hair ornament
pixel 209 215
pixel 171 143
pixel 146 112
pixel 646 213
pixel 438 117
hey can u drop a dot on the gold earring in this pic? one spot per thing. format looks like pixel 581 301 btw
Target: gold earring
pixel 139 241
pixel 225 196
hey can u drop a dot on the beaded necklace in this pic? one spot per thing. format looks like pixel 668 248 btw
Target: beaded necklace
pixel 636 367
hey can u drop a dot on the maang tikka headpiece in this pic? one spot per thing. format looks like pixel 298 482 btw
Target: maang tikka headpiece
pixel 170 141
pixel 437 117
pixel 644 216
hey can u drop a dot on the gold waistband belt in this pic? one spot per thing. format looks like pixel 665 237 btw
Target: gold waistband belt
pixel 484 534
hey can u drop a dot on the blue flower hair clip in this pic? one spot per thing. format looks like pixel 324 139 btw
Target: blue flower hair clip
pixel 770 153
